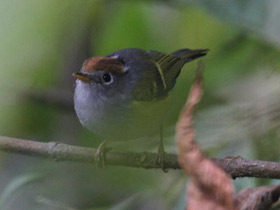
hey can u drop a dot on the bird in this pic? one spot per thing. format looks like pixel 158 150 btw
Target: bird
pixel 127 94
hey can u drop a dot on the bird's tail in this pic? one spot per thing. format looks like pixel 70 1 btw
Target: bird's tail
pixel 188 55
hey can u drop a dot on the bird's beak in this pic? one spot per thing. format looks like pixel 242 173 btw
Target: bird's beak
pixel 82 76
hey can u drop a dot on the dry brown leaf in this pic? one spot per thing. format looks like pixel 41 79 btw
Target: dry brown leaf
pixel 210 187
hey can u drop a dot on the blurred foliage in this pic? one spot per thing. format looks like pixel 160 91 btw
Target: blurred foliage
pixel 43 42
pixel 12 190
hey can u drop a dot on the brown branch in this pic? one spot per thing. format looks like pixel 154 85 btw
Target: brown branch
pixel 235 166
pixel 63 152
pixel 260 198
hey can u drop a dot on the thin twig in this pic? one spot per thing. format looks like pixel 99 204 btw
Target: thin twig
pixel 235 166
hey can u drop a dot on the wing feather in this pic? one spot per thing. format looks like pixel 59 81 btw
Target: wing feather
pixel 160 79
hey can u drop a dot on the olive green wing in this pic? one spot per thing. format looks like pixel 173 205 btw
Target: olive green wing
pixel 161 77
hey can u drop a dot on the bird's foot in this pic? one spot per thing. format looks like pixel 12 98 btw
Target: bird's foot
pixel 160 159
pixel 100 155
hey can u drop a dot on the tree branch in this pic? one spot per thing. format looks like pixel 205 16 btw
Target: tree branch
pixel 235 166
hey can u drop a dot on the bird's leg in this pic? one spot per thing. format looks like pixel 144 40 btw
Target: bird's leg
pixel 161 153
pixel 100 155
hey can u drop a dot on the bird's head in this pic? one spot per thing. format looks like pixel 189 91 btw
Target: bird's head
pixel 102 76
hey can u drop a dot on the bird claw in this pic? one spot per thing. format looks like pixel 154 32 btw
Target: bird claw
pixel 160 159
pixel 100 155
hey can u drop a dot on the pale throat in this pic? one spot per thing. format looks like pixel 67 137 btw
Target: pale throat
pixel 94 108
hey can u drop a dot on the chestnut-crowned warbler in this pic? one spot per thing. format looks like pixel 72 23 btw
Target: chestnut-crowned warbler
pixel 126 94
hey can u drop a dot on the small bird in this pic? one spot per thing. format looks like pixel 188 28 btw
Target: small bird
pixel 126 94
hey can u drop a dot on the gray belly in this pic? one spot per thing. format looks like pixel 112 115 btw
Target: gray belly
pixel 141 119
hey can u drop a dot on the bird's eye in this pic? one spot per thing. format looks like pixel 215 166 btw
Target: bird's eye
pixel 107 78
